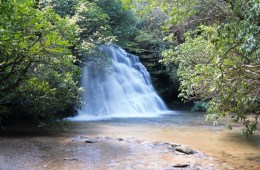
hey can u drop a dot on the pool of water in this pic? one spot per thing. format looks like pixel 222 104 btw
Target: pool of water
pixel 189 128
pixel 229 148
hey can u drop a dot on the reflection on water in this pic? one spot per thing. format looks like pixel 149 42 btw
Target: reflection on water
pixel 227 147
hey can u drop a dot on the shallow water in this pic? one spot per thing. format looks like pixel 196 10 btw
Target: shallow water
pixel 46 149
pixel 229 147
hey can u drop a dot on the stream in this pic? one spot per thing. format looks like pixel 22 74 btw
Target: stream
pixel 130 143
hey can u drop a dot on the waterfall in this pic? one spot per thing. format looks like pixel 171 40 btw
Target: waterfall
pixel 121 88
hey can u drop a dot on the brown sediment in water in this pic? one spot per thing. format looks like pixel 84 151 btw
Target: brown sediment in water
pixel 117 145
pixel 100 153
pixel 230 149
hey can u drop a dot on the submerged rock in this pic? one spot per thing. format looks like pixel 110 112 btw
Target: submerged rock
pixel 181 166
pixel 120 139
pixel 183 149
pixel 70 159
pixel 90 141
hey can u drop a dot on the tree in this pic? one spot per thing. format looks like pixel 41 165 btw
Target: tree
pixel 220 62
pixel 65 8
pixel 123 23
pixel 37 70
pixel 93 25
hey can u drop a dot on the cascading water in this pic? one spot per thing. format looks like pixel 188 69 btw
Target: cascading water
pixel 124 89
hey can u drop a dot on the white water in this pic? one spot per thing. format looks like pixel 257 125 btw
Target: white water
pixel 122 89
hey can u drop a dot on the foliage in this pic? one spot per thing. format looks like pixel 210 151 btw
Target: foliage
pixel 200 106
pixel 122 21
pixel 151 36
pixel 92 23
pixel 94 28
pixel 141 7
pixel 150 19
pixel 62 7
pixel 220 62
pixel 37 73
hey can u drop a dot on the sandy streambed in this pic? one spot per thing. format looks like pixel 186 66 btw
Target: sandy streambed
pixel 134 144
pixel 96 153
